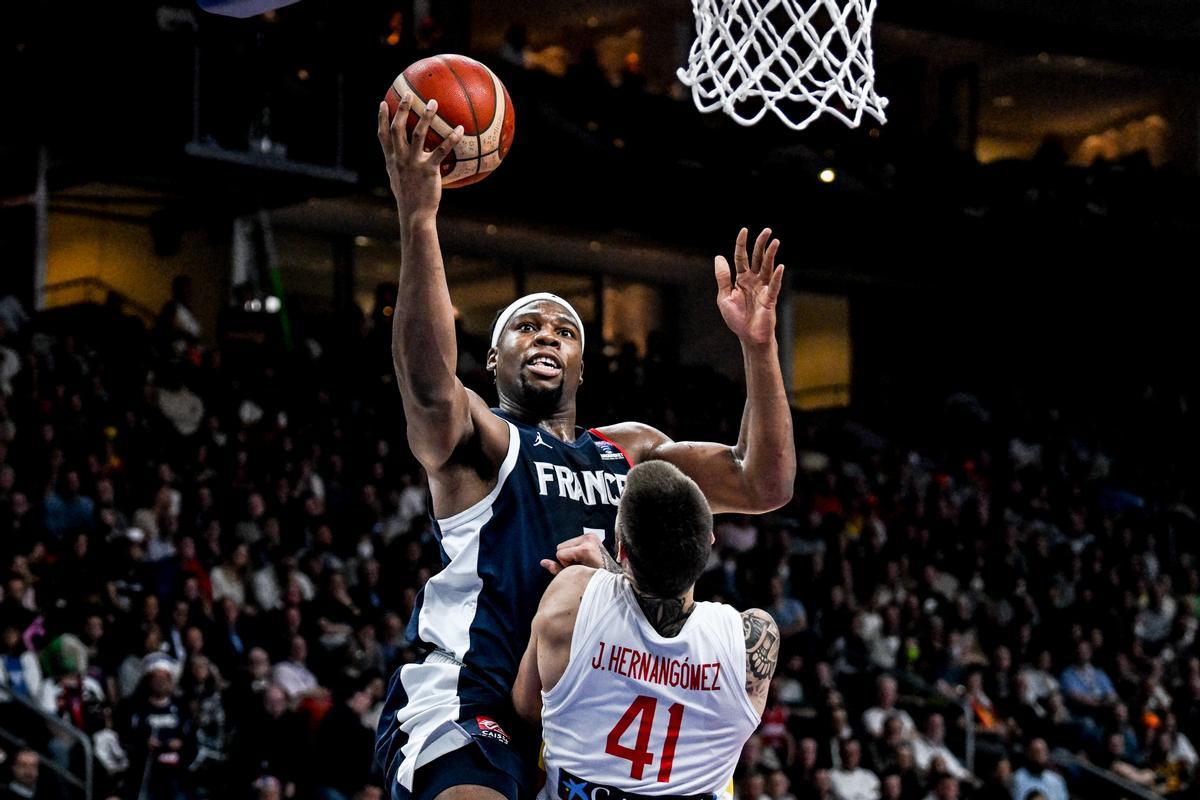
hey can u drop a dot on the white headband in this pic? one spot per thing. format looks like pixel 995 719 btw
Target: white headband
pixel 506 315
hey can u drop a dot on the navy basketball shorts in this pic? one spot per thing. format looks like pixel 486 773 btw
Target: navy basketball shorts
pixel 491 759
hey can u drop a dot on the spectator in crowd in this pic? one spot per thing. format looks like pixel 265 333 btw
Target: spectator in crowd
pixel 998 784
pixel 24 783
pixel 945 787
pixel 20 671
pixel 931 744
pixel 773 730
pixel 271 743
pixel 159 733
pixel 1037 776
pixel 873 718
pixel 788 612
pixel 850 781
pixel 753 786
pixel 1171 772
pixel 1087 688
pixel 1115 759
pixel 293 675
pixel 779 786
pixel 346 746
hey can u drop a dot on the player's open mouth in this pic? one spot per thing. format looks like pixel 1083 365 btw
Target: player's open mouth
pixel 544 366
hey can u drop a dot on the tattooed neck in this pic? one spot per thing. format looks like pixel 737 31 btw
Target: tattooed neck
pixel 665 614
pixel 610 563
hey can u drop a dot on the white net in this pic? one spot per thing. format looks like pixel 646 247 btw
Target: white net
pixel 796 58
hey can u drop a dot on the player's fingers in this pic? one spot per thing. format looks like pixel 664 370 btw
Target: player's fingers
pixel 553 567
pixel 580 554
pixel 419 133
pixel 448 144
pixel 399 127
pixel 574 540
pixel 381 125
pixel 724 278
pixel 776 283
pixel 760 243
pixel 767 269
pixel 740 259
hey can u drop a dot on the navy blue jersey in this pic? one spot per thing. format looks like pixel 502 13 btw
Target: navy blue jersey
pixel 475 614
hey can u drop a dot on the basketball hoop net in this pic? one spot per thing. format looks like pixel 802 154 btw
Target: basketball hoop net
pixel 796 58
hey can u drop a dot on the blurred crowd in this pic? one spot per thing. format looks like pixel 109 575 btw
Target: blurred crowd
pixel 208 556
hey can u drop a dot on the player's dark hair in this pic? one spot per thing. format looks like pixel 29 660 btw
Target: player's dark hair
pixel 665 526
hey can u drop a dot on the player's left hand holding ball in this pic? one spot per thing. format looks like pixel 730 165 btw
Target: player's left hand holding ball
pixel 414 174
pixel 747 295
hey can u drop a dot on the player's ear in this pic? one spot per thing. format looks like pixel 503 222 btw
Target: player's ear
pixel 490 363
pixel 621 556
pixel 581 371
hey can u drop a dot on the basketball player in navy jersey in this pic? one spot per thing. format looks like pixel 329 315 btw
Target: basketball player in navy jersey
pixel 520 484
pixel 631 706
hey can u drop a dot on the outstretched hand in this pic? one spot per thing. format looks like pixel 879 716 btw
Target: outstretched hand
pixel 747 295
pixel 414 173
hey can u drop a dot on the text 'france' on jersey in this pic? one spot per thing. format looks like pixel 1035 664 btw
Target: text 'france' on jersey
pixel 480 607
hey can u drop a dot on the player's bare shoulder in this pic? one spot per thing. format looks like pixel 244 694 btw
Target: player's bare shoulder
pixel 762 653
pixel 560 603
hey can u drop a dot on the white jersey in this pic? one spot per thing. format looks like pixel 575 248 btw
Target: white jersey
pixel 639 714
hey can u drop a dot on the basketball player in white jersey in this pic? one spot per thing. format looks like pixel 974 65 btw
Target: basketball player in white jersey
pixel 640 690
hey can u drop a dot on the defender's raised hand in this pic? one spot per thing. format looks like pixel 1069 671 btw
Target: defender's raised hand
pixel 413 172
pixel 747 295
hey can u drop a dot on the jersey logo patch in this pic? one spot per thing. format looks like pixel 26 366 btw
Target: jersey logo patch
pixel 538 441
pixel 491 729
pixel 571 787
pixel 609 451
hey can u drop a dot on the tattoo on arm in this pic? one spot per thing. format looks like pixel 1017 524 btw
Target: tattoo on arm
pixel 762 648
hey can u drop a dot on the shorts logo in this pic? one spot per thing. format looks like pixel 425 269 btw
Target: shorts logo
pixel 491 729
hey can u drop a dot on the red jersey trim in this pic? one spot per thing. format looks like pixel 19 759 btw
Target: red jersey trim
pixel 596 432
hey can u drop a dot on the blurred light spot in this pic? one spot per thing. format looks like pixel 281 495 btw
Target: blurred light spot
pixel 827 175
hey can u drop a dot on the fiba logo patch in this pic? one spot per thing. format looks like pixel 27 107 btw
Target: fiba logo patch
pixel 609 451
pixel 491 729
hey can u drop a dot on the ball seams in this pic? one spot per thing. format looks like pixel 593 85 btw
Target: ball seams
pixel 471 105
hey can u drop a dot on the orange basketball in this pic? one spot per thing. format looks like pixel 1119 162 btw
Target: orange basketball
pixel 468 94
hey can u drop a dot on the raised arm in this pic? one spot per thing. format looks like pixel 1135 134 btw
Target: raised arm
pixel 440 411
pixel 756 474
pixel 762 654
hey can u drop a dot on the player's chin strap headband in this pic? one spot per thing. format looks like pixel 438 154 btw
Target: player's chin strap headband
pixel 521 302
